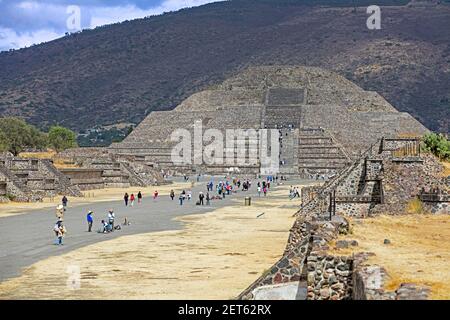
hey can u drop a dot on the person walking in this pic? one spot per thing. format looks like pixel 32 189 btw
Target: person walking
pixel 259 191
pixel 111 218
pixel 207 199
pixel 59 230
pixel 60 212
pixel 139 196
pixel 132 198
pixel 155 194
pixel 181 198
pixel 90 220
pixel 172 194
pixel 125 199
pixel 64 201
pixel 201 196
pixel 265 191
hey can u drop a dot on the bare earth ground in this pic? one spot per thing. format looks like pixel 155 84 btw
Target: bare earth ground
pixel 91 196
pixel 419 251
pixel 215 256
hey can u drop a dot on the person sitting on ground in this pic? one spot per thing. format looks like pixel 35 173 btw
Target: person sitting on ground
pixel 105 227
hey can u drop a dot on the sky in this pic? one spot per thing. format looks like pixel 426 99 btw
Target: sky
pixel 23 23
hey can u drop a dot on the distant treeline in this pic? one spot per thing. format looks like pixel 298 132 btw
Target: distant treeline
pixel 16 136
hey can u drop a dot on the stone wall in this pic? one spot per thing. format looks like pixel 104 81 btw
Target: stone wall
pixel 294 266
pixel 329 277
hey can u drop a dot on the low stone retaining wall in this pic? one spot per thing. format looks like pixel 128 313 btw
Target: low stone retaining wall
pixel 369 283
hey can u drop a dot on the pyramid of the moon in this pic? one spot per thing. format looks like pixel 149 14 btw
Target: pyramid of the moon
pixel 325 121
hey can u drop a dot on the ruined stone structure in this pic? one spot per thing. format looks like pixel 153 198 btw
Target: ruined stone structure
pixel 32 179
pixel 385 179
pixel 324 121
pixel 28 179
pixel 96 168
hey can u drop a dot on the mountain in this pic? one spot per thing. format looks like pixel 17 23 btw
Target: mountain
pixel 120 73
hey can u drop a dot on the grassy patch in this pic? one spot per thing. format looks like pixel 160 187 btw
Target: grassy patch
pixel 418 252
pixel 415 206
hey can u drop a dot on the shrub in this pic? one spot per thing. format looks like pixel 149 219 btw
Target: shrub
pixel 437 144
pixel 415 206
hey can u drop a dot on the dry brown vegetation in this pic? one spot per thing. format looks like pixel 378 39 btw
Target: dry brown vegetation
pixel 446 171
pixel 58 162
pixel 419 251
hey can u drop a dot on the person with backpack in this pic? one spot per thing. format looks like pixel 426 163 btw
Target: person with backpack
pixel 59 230
pixel 90 220
pixel 139 196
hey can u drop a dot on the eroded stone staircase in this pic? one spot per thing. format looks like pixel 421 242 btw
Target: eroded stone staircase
pixel 319 154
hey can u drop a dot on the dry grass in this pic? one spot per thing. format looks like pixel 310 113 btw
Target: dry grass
pixel 216 256
pixel 49 154
pixel 446 171
pixel 59 163
pixel 415 206
pixel 419 251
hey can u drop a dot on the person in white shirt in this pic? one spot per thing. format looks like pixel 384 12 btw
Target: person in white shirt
pixel 111 217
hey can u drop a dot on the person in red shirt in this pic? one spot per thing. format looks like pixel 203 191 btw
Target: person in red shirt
pixel 132 199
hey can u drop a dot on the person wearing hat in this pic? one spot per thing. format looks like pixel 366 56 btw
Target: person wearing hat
pixel 60 212
pixel 90 220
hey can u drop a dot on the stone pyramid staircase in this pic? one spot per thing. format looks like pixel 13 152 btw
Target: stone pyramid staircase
pixel 319 154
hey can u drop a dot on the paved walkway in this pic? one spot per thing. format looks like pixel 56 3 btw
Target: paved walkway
pixel 28 238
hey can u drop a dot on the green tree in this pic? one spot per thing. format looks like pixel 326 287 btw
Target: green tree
pixel 4 142
pixel 61 138
pixel 438 144
pixel 19 135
